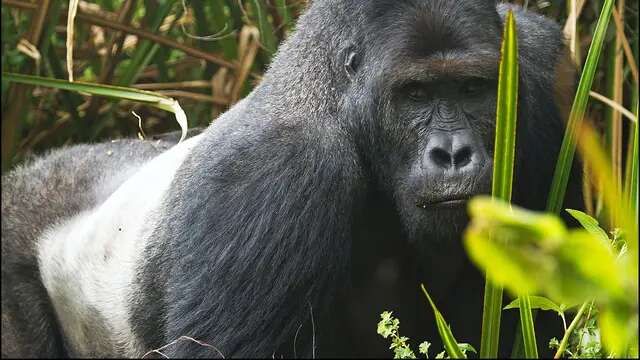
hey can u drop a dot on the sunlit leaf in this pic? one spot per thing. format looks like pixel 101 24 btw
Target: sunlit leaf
pixel 618 327
pixel 537 302
pixel 534 253
pixel 590 224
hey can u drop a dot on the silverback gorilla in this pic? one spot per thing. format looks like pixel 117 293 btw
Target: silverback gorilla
pixel 285 228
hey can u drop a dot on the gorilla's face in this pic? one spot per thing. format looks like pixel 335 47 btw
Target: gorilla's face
pixel 443 129
pixel 434 78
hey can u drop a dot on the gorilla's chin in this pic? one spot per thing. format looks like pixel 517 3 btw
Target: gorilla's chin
pixel 438 240
pixel 440 225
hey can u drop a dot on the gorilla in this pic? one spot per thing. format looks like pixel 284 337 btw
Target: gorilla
pixel 286 227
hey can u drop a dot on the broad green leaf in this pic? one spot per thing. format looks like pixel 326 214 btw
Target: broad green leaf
pixel 537 302
pixel 534 253
pixel 116 92
pixel 450 343
pixel 618 327
pixel 590 224
pixel 576 116
pixel 517 224
pixel 586 268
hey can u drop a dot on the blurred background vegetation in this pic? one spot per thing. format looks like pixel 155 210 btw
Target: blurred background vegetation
pixel 207 55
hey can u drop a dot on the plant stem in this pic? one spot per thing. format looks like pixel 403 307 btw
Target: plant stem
pixel 567 334
pixel 528 331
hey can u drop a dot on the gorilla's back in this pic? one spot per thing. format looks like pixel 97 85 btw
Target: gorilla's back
pixel 46 191
pixel 66 181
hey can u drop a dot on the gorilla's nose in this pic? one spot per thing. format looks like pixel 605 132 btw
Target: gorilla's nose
pixel 451 151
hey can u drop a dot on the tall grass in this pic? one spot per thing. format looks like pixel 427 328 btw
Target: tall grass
pixel 502 181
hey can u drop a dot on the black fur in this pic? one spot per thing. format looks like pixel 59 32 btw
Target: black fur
pixel 295 221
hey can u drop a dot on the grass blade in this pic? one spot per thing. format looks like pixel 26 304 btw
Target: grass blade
pixel 528 331
pixel 567 151
pixel 145 49
pixel 632 170
pixel 267 36
pixel 578 108
pixel 449 342
pixel 506 115
pixel 116 92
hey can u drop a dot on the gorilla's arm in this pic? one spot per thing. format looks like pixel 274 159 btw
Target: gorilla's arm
pixel 264 236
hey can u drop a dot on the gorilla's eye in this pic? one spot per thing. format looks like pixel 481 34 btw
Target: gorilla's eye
pixel 417 92
pixel 472 87
pixel 351 63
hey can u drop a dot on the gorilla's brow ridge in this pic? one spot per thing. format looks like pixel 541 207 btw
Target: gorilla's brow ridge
pixel 450 64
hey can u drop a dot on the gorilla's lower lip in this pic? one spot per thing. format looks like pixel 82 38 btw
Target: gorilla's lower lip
pixel 444 203
pixel 450 202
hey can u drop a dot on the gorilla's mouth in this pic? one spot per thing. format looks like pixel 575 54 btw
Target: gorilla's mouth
pixel 451 201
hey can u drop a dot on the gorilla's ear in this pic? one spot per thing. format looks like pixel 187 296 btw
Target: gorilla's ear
pixel 351 61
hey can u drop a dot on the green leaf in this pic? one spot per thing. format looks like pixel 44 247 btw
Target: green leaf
pixel 117 92
pixel 450 343
pixel 502 181
pixel 537 302
pixel 146 49
pixel 618 327
pixel 576 116
pixel 466 347
pixel 534 253
pixel 590 224
pixel 267 36
pixel 506 113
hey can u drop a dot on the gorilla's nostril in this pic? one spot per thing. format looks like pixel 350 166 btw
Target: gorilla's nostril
pixel 462 157
pixel 440 157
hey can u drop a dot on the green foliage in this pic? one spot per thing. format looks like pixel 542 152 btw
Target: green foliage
pixel 578 110
pixel 537 254
pixel 116 92
pixel 389 327
pixel 590 224
pixel 539 302
pixel 450 343
pixel 542 255
pixel 502 180
pixel 195 51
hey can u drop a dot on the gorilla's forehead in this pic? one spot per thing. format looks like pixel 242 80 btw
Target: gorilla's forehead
pixel 428 26
pixel 440 36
